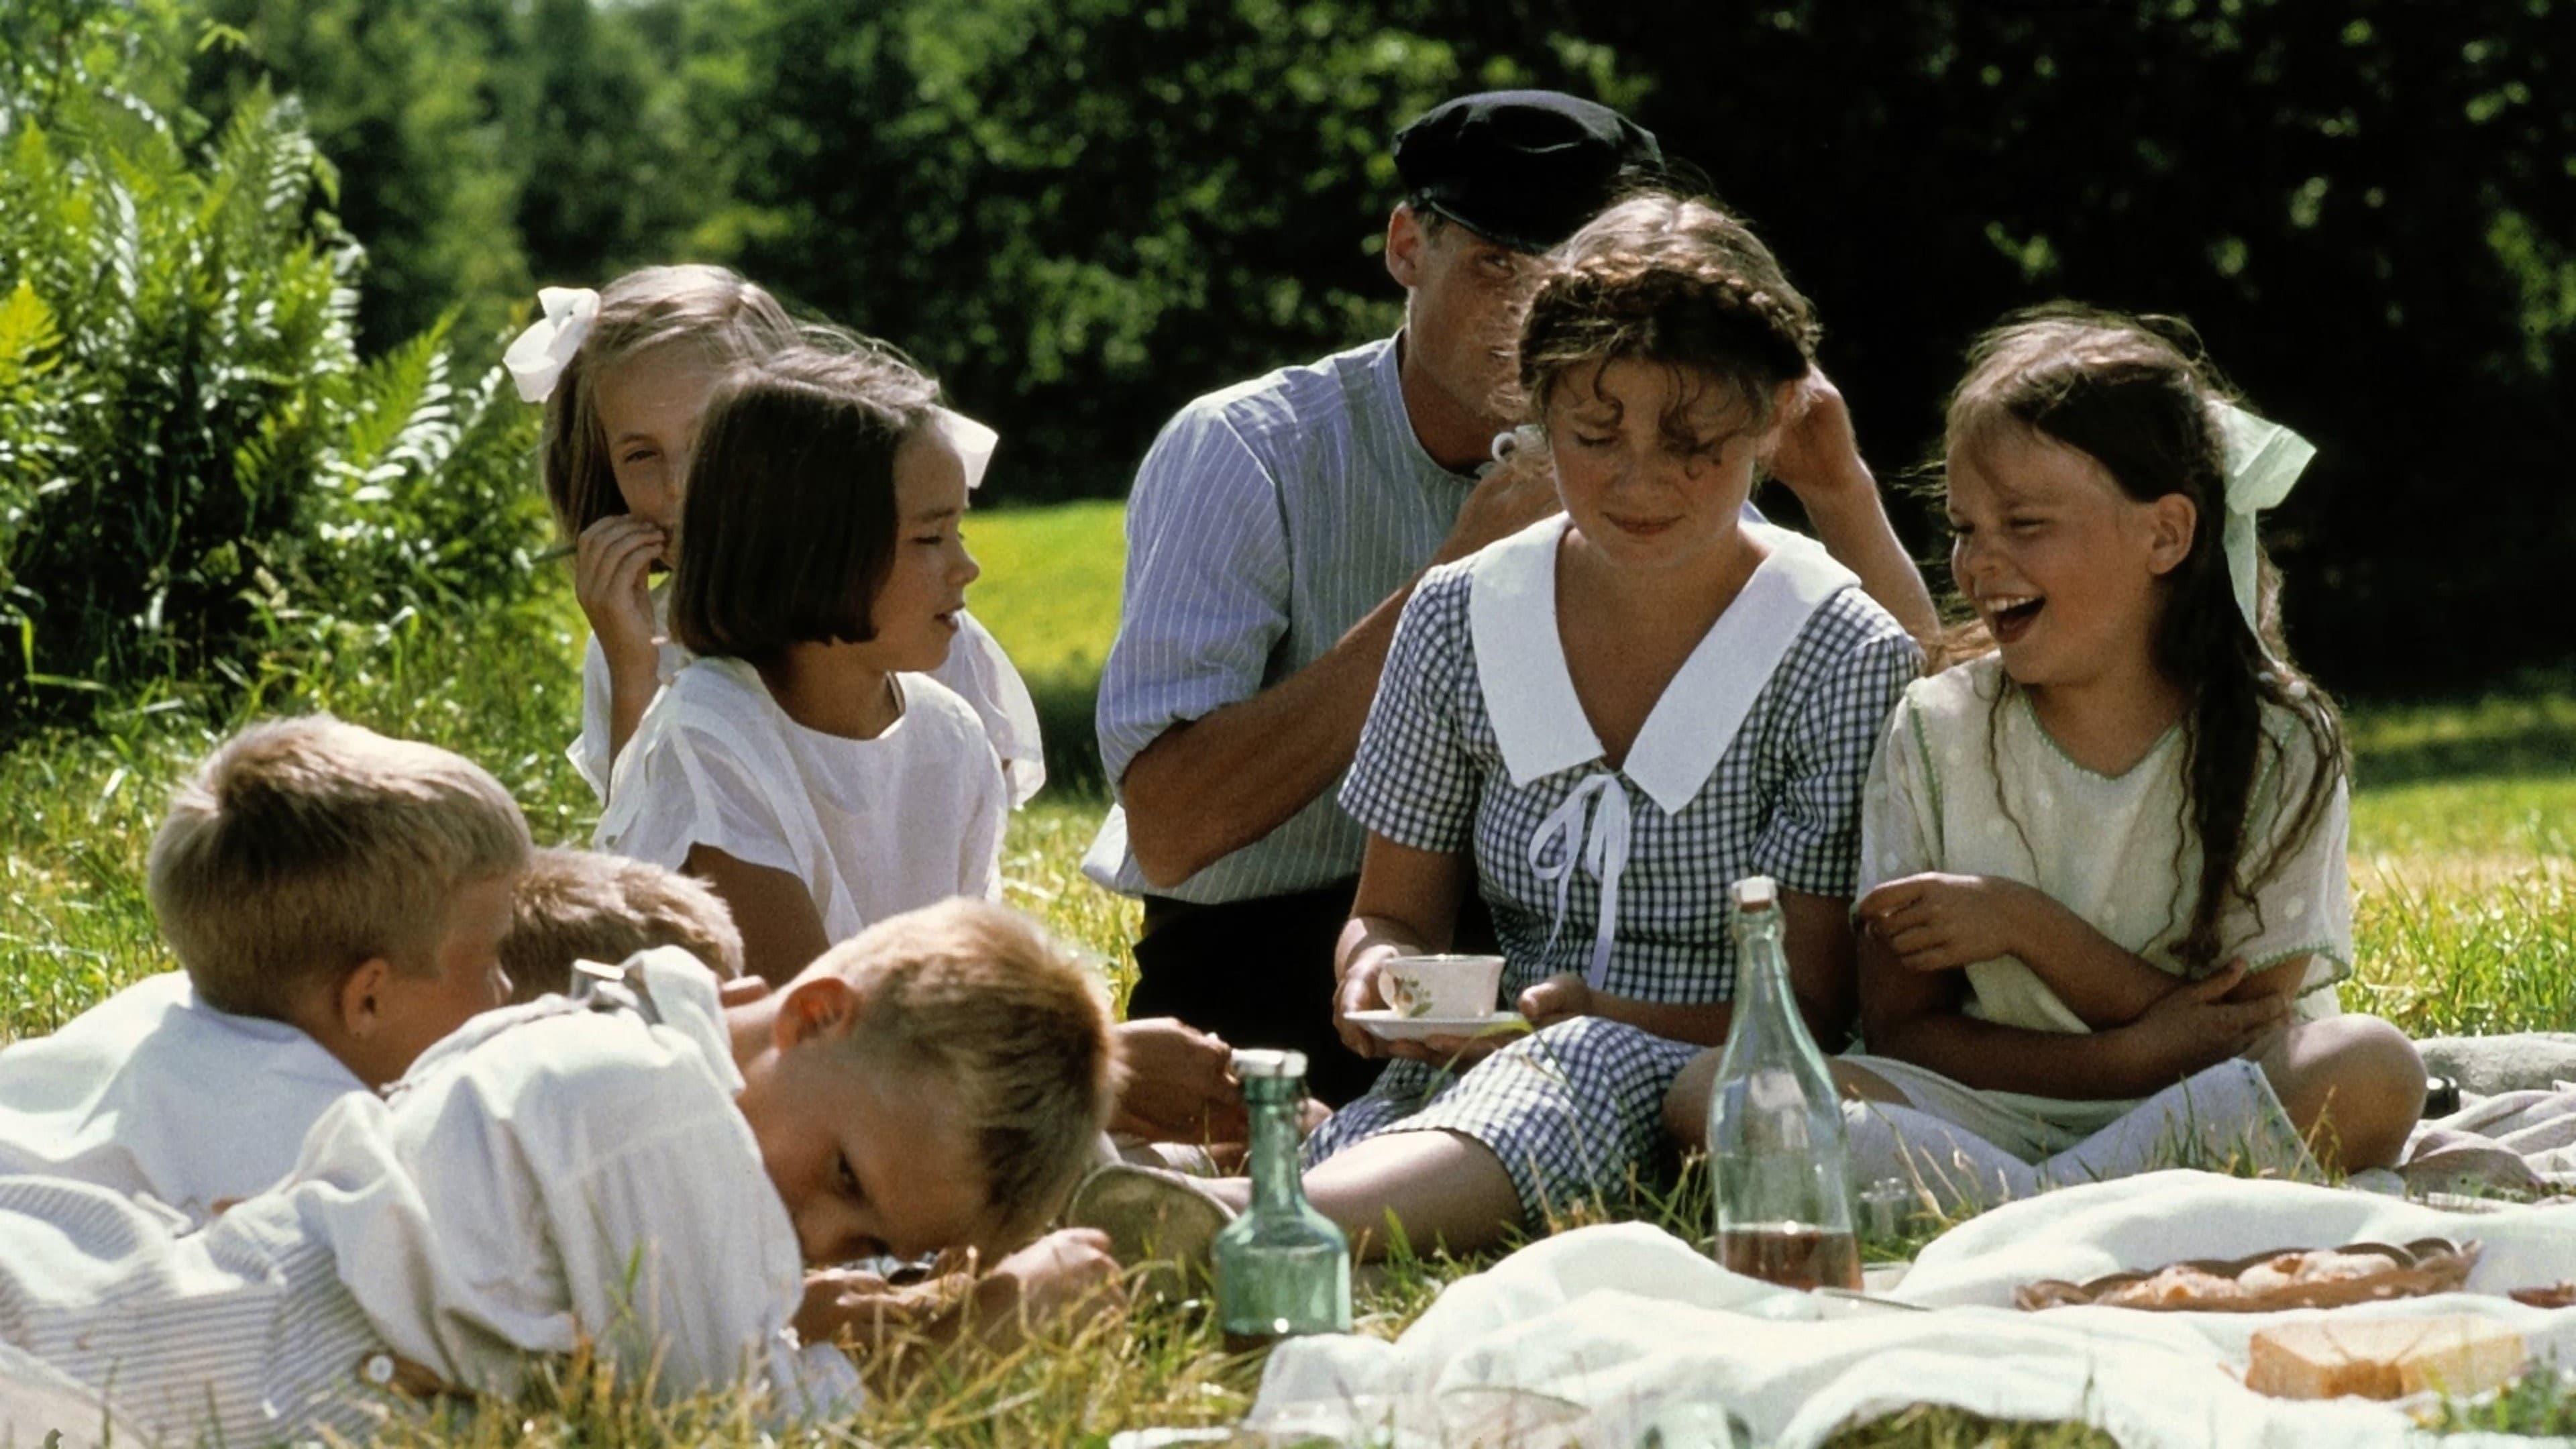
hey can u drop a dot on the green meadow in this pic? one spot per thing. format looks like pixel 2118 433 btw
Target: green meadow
pixel 2464 860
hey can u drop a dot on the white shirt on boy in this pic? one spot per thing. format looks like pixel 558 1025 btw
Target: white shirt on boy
pixel 872 827
pixel 153 1093
pixel 548 1177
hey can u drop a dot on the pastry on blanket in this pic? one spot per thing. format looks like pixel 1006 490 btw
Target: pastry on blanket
pixel 2556 1295
pixel 2268 1282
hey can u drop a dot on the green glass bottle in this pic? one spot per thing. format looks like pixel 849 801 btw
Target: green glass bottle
pixel 1282 1269
pixel 1776 1146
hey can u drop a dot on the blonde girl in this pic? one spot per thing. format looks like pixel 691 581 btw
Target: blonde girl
pixel 625 374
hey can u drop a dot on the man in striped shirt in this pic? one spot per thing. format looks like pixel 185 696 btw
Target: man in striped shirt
pixel 1276 529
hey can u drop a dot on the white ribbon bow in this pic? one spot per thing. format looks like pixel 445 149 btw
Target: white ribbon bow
pixel 1602 847
pixel 973 441
pixel 2263 460
pixel 537 356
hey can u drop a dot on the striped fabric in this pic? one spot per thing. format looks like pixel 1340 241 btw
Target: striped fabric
pixel 237 1335
pixel 1266 521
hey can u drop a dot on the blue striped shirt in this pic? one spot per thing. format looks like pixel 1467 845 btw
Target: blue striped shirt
pixel 1266 521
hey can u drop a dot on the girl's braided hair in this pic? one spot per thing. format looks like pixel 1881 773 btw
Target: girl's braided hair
pixel 1670 279
pixel 2137 396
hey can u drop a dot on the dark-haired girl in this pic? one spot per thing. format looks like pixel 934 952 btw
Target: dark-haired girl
pixel 1596 724
pixel 2107 854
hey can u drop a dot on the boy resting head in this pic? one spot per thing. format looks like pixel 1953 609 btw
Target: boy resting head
pixel 582 905
pixel 641 1169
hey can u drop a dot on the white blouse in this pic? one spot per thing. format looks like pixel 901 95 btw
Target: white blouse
pixel 1968 781
pixel 976 668
pixel 872 827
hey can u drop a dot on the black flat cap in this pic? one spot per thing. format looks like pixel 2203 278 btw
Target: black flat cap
pixel 1522 168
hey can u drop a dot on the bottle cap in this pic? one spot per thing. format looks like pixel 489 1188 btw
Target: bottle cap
pixel 1756 893
pixel 1262 1062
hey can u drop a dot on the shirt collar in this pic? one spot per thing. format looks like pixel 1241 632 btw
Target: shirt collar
pixel 1538 720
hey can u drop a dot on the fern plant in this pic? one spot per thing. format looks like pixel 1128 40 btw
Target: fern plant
pixel 201 482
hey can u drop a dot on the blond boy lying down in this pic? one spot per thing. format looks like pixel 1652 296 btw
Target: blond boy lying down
pixel 649 1172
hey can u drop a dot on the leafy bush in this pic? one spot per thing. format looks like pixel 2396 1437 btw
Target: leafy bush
pixel 201 483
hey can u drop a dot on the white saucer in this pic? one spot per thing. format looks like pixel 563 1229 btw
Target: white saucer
pixel 1396 1026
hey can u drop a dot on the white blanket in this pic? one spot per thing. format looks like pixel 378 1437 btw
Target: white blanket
pixel 1595 1336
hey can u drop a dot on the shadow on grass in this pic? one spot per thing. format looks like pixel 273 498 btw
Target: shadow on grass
pixel 2523 731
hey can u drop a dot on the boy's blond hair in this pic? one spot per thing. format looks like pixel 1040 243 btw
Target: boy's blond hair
pixel 583 905
pixel 1014 1026
pixel 303 848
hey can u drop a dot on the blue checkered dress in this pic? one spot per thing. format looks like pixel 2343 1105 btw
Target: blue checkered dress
pixel 1572 1111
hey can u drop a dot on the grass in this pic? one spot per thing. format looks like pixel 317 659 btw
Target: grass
pixel 2464 859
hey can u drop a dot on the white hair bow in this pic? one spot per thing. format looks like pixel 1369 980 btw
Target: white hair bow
pixel 2264 460
pixel 537 356
pixel 973 441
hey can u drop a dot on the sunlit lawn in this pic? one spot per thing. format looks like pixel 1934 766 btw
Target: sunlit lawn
pixel 2464 841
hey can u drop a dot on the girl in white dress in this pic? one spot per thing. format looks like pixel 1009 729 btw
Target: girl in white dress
pixel 804 763
pixel 2104 860
pixel 625 374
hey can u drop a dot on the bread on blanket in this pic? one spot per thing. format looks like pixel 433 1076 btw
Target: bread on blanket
pixel 2270 1282
pixel 2383 1358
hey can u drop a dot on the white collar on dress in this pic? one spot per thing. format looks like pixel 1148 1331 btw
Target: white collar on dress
pixel 1520 662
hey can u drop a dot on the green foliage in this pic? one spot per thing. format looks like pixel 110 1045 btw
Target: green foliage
pixel 201 483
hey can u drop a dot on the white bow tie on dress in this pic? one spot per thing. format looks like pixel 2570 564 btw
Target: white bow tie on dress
pixel 1601 846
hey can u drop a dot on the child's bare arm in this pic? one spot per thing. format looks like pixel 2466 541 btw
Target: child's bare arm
pixel 782 932
pixel 2192 1027
pixel 1937 922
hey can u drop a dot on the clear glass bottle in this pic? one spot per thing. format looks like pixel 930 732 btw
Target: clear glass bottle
pixel 1282 1269
pixel 1776 1147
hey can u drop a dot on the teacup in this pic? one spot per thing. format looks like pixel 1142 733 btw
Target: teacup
pixel 1453 988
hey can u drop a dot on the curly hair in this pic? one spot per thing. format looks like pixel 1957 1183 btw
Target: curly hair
pixel 1670 279
pixel 2138 397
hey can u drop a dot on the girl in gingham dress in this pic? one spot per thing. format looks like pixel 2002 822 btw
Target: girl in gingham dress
pixel 1598 723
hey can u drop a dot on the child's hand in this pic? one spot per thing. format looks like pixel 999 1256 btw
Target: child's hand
pixel 839 1299
pixel 1813 449
pixel 1938 922
pixel 1559 998
pixel 1359 991
pixel 611 577
pixel 2194 1026
pixel 1180 1084
pixel 1066 1276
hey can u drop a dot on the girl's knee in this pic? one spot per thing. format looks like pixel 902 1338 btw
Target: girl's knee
pixel 2359 1078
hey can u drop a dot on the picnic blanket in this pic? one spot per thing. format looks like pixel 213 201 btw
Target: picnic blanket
pixel 1597 1336
pixel 2516 1143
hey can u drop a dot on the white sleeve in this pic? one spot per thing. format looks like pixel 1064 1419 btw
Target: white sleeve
pixel 1899 808
pixel 682 783
pixel 988 819
pixel 679 1259
pixel 2305 907
pixel 982 674
pixel 589 752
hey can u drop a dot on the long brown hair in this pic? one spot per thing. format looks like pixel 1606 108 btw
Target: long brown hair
pixel 2136 396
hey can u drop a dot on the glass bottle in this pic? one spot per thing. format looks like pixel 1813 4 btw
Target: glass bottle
pixel 1776 1146
pixel 1282 1269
